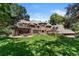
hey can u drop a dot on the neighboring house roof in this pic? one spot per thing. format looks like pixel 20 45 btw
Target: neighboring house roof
pixel 62 30
pixel 65 31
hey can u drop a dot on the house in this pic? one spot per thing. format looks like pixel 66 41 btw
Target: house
pixel 65 31
pixel 24 27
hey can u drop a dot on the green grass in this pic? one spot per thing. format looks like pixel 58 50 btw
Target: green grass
pixel 39 45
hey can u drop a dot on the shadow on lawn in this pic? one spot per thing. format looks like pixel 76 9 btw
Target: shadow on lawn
pixel 62 46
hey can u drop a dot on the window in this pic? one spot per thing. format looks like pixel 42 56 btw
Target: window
pixel 35 31
pixel 20 24
pixel 48 26
pixel 32 26
pixel 42 31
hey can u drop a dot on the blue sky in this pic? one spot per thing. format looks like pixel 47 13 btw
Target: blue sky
pixel 43 11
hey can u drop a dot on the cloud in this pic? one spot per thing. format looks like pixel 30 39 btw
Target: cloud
pixel 40 16
pixel 60 12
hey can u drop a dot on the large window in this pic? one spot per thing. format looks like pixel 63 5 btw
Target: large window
pixel 35 31
pixel 48 26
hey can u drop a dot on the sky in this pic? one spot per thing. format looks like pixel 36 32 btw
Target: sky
pixel 43 11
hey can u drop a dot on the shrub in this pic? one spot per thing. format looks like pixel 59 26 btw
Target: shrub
pixel 40 45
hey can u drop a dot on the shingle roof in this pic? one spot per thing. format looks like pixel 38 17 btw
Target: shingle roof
pixel 49 24
pixel 62 30
pixel 65 31
pixel 23 21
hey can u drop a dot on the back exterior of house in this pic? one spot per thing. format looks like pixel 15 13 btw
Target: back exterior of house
pixel 24 27
pixel 27 27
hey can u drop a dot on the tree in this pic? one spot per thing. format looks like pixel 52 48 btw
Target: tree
pixel 26 17
pixel 4 14
pixel 56 19
pixel 19 12
pixel 11 13
pixel 72 16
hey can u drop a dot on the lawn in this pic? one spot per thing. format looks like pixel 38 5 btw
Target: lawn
pixel 39 45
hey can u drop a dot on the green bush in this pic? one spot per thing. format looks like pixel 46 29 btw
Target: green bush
pixel 5 31
pixel 40 45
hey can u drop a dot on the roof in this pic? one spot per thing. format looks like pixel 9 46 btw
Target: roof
pixel 33 21
pixel 23 21
pixel 48 24
pixel 63 30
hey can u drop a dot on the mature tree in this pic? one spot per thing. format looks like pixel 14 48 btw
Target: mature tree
pixel 19 12
pixel 72 16
pixel 56 19
pixel 26 17
pixel 11 13
pixel 5 17
pixel 4 14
